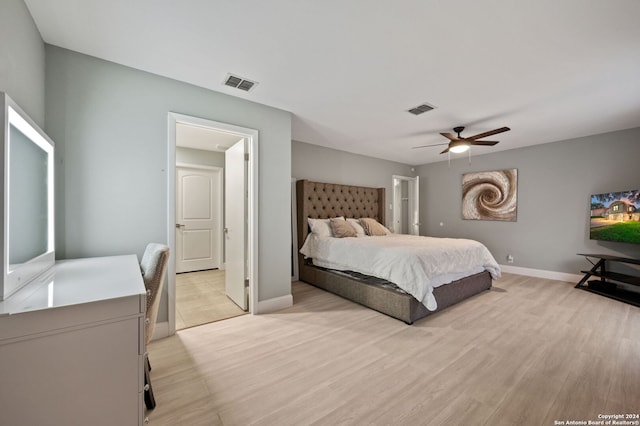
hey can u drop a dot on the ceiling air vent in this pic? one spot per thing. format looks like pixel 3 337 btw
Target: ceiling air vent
pixel 421 109
pixel 239 82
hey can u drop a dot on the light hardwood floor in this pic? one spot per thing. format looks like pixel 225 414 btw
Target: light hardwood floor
pixel 201 299
pixel 528 352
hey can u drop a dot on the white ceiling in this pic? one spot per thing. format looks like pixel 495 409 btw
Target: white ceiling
pixel 349 70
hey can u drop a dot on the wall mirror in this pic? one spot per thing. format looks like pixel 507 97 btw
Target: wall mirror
pixel 28 243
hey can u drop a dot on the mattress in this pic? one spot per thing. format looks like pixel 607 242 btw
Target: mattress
pixel 415 264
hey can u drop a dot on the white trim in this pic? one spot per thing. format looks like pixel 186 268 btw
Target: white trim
pixel 413 205
pixel 275 304
pixel 252 137
pixel 198 166
pixel 252 250
pixel 160 331
pixel 171 229
pixel 541 273
pixel 294 231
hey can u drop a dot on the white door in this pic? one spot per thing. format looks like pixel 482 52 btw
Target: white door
pixel 198 219
pixel 235 209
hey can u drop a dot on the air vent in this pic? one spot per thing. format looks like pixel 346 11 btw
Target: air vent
pixel 239 82
pixel 420 109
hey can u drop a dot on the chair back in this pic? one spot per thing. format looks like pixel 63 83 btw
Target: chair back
pixel 154 267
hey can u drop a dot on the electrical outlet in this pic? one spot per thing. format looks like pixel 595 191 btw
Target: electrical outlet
pixel 509 258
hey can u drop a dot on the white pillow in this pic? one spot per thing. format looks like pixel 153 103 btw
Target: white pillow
pixel 356 225
pixel 321 227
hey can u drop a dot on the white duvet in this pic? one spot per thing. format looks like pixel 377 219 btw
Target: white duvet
pixel 415 264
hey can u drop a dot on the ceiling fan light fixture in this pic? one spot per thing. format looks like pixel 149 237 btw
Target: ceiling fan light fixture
pixel 458 146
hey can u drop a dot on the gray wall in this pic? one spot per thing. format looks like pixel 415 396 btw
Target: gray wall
pixel 199 156
pixel 555 182
pixel 22 59
pixel 111 122
pixel 321 164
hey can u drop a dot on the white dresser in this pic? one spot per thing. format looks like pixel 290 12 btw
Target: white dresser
pixel 72 346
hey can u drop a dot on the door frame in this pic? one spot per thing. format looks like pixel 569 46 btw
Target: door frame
pixel 413 205
pixel 220 171
pixel 251 136
pixel 295 275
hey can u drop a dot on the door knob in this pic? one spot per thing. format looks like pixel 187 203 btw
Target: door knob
pixel 179 225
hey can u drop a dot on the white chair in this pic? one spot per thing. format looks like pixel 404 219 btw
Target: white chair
pixel 154 267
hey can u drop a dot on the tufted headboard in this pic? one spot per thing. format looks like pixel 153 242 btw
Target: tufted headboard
pixel 324 200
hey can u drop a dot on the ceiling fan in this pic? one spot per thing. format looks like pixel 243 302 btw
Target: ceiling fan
pixel 459 144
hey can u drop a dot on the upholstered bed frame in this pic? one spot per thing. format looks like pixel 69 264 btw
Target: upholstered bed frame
pixel 324 200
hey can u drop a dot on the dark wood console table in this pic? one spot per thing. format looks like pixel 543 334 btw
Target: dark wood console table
pixel 606 285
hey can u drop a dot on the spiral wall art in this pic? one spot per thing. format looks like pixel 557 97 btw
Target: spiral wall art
pixel 490 195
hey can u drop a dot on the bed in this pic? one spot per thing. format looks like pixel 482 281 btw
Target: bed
pixel 317 200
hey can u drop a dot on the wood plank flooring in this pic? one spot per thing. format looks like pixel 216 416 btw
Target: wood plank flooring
pixel 201 299
pixel 528 352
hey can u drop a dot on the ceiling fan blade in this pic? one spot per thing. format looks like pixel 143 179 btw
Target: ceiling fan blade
pixel 445 151
pixel 450 136
pixel 427 146
pixel 487 143
pixel 489 133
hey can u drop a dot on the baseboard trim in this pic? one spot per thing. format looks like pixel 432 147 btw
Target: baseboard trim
pixel 275 304
pixel 541 273
pixel 161 330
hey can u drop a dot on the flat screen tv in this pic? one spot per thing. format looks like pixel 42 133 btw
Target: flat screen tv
pixel 615 216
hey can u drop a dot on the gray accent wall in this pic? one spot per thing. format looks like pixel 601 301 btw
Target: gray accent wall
pixel 111 122
pixel 322 164
pixel 22 59
pixel 555 182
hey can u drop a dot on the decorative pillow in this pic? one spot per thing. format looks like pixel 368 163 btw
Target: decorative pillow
pixel 321 227
pixel 358 228
pixel 373 227
pixel 341 228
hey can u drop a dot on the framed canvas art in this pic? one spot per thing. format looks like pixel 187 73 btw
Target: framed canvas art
pixel 490 195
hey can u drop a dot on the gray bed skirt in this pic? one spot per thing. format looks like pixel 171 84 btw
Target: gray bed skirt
pixel 389 300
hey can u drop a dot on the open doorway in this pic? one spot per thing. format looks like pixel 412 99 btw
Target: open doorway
pixel 405 205
pixel 200 291
pixel 213 257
